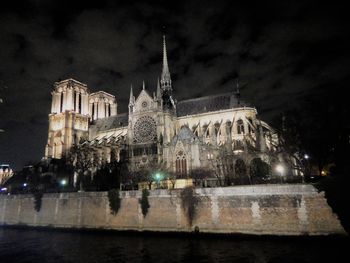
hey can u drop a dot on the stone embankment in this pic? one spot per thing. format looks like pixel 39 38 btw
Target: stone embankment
pixel 257 210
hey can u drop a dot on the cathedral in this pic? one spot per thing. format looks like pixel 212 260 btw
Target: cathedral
pixel 214 133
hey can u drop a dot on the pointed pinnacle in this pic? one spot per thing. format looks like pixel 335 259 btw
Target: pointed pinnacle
pixel 165 70
pixel 132 99
pixel 143 85
pixel 158 89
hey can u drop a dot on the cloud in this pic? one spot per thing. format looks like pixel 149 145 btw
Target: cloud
pixel 281 53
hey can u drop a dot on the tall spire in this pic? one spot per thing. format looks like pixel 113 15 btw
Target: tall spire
pixel 143 85
pixel 238 92
pixel 165 78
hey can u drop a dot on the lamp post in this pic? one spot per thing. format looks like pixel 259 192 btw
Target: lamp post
pixel 63 183
pixel 280 170
pixel 158 177
pixel 306 167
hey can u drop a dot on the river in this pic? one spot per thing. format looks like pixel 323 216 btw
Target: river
pixel 29 245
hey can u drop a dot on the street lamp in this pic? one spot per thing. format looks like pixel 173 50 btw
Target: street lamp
pixel 158 177
pixel 306 166
pixel 280 169
pixel 63 182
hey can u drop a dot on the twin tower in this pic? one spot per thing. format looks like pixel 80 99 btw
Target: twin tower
pixel 73 107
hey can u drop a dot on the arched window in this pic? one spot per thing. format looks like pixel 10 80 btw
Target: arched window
pixel 181 164
pixel 61 103
pixel 93 110
pixel 240 127
pixel 238 146
pixel 79 104
pixel 74 100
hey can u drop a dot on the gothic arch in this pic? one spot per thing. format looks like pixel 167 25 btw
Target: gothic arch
pixel 181 163
pixel 240 126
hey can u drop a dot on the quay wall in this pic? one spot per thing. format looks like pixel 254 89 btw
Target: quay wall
pixel 258 210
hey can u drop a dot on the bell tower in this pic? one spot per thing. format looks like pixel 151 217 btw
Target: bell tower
pixel 69 117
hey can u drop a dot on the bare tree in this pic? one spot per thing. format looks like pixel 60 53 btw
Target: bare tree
pixel 222 167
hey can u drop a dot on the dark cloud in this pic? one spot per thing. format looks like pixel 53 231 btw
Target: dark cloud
pixel 282 52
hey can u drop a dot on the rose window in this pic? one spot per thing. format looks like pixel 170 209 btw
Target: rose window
pixel 145 129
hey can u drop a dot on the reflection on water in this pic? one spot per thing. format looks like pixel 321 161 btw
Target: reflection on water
pixel 23 245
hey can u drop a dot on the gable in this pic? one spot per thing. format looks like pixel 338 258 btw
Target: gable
pixel 144 102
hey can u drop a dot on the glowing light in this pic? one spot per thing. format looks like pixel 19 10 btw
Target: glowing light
pixel 3 189
pixel 63 182
pixel 25 185
pixel 306 156
pixel 280 168
pixel 323 172
pixel 158 176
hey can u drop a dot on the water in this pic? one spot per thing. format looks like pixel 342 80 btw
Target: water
pixel 27 245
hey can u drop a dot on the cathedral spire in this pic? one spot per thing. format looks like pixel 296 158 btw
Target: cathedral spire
pixel 143 85
pixel 165 78
pixel 238 93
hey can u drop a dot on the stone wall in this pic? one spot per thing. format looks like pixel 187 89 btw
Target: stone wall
pixel 258 210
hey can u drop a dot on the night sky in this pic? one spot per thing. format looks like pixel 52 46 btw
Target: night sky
pixel 283 53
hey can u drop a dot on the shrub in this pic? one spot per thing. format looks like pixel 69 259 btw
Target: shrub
pixel 37 200
pixel 144 202
pixel 114 200
pixel 189 203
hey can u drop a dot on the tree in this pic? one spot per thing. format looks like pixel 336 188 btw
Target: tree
pixel 241 173
pixel 154 172
pixel 319 127
pixel 83 158
pixel 172 177
pixel 259 170
pixel 222 165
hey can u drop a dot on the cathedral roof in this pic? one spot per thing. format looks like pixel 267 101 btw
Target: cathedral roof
pixel 207 104
pixel 183 108
pixel 120 120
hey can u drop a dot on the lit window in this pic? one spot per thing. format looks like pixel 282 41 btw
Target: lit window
pixel 240 127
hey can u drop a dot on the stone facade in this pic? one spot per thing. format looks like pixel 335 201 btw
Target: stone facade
pixel 216 133
pixel 258 210
pixel 5 173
